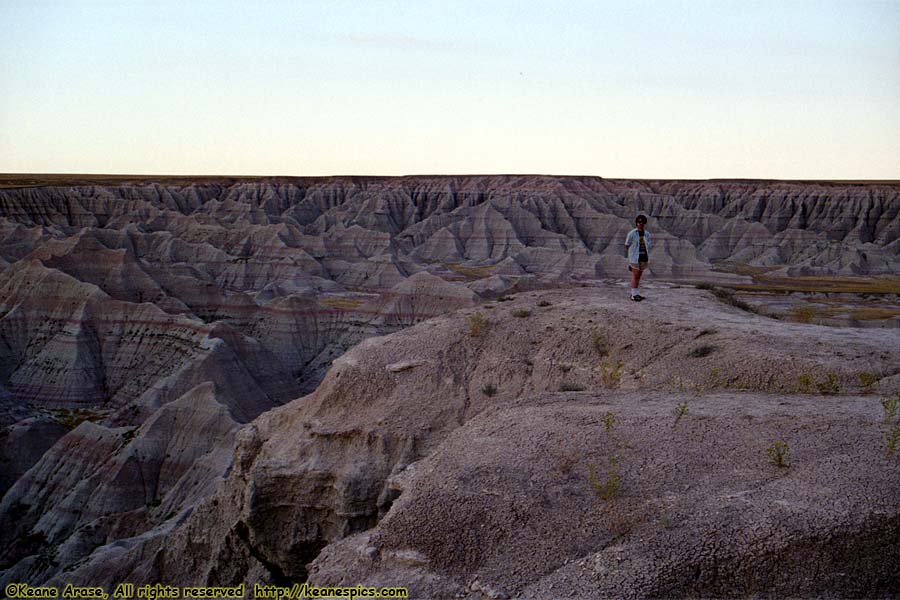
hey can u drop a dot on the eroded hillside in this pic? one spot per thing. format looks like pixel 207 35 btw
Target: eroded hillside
pixel 162 345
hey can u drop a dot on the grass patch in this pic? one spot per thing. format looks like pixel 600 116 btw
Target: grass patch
pixel 867 380
pixel 505 299
pixel 803 313
pixel 478 325
pixel 606 490
pixel 544 304
pixel 828 386
pixel 891 407
pixel 805 383
pixel 892 439
pixel 521 313
pixel 681 410
pixel 824 284
pixel 712 379
pixel 600 342
pixel 471 272
pixel 341 303
pixel 779 454
pixel 611 373
pixel 571 387
pixel 862 313
pixel 73 418
pixel 609 421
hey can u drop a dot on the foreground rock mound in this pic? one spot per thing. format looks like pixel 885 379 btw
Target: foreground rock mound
pixel 533 448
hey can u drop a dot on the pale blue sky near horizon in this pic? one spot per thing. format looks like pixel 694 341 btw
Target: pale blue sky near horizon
pixel 666 89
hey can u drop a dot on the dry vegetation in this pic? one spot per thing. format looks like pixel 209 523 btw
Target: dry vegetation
pixel 836 285
pixel 471 272
pixel 341 303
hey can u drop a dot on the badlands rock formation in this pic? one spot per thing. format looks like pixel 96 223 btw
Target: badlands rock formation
pixel 166 413
pixel 405 467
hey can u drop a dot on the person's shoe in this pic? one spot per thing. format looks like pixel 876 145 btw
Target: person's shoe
pixel 637 298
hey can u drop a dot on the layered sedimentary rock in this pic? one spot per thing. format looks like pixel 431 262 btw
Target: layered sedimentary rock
pixel 151 331
pixel 452 463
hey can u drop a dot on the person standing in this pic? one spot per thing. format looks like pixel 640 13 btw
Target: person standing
pixel 637 250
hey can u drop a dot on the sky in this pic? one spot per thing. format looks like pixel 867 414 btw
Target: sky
pixel 690 89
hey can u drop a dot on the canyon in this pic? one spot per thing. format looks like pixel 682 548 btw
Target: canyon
pixel 427 381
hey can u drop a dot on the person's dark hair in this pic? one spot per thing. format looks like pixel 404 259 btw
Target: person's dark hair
pixel 641 219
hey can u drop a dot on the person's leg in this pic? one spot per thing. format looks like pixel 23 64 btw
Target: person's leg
pixel 635 279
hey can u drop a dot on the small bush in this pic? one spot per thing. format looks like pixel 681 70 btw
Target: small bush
pixel 828 386
pixel 680 411
pixel 505 299
pixel 701 351
pixel 712 380
pixel 544 304
pixel 478 325
pixel 867 380
pixel 565 368
pixel 805 383
pixel 803 313
pixel 600 342
pixel 521 313
pixel 779 453
pixel 892 438
pixel 489 390
pixel 606 490
pixel 891 406
pixel 609 421
pixel 610 374
pixel 571 387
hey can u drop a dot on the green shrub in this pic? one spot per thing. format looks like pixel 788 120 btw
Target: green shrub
pixel 712 380
pixel 544 304
pixel 611 374
pixel 779 452
pixel 609 420
pixel 680 411
pixel 600 342
pixel 890 405
pixel 828 386
pixel 867 380
pixel 606 490
pixel 805 383
pixel 521 313
pixel 891 439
